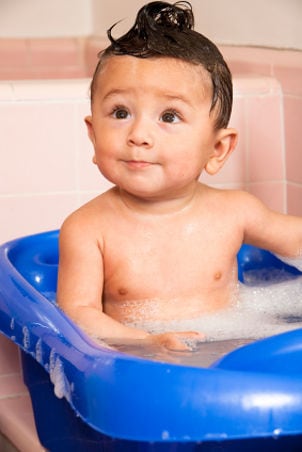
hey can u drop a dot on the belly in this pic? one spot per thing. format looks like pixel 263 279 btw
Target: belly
pixel 163 309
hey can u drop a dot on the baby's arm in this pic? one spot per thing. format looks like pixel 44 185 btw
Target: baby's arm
pixel 80 281
pixel 279 233
pixel 80 288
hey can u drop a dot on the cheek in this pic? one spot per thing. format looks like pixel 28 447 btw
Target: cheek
pixel 190 155
pixel 105 167
pixel 187 167
pixel 106 145
pixel 102 154
pixel 103 158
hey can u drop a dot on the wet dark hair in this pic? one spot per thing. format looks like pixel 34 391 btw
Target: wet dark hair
pixel 162 29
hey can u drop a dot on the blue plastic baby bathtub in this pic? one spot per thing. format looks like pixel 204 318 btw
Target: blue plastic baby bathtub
pixel 89 398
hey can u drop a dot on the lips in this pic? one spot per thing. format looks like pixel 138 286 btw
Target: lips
pixel 138 164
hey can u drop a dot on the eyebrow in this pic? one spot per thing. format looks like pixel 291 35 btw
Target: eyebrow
pixel 164 95
pixel 114 92
pixel 174 97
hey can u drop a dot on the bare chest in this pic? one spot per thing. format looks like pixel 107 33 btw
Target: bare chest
pixel 168 263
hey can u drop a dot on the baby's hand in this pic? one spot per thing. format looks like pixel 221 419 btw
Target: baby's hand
pixel 177 341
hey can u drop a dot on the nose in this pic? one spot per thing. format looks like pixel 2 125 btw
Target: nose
pixel 140 133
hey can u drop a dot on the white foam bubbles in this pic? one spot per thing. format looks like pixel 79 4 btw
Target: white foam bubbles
pixel 39 351
pixel 57 376
pixel 26 338
pixel 259 311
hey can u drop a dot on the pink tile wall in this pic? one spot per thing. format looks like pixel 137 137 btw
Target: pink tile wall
pixel 48 58
pixel 41 58
pixel 258 163
pixel 93 47
pixel 286 67
pixel 293 115
pixel 45 160
pixel 294 201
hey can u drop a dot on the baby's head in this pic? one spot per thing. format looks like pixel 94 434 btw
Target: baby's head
pixel 164 30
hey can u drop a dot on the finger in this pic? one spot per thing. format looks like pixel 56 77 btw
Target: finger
pixel 172 343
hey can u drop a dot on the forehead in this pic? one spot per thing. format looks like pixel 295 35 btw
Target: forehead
pixel 158 74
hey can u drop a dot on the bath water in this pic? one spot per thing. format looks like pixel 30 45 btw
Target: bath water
pixel 270 302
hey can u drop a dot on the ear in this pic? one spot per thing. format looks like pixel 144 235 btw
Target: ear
pixel 88 122
pixel 225 143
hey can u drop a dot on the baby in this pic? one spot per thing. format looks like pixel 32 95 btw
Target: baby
pixel 160 245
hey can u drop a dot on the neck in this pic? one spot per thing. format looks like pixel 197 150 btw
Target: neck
pixel 166 205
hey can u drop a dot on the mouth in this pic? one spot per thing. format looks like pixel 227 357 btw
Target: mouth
pixel 138 164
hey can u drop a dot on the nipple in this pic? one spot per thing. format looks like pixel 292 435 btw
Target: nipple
pixel 217 276
pixel 122 291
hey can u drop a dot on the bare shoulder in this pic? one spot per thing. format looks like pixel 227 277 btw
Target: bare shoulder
pixel 244 209
pixel 87 222
pixel 256 223
pixel 263 227
pixel 247 208
pixel 228 198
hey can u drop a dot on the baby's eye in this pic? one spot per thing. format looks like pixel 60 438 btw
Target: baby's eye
pixel 120 113
pixel 170 116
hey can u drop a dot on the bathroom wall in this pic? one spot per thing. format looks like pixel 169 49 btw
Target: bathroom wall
pixel 286 68
pixel 45 169
pixel 43 19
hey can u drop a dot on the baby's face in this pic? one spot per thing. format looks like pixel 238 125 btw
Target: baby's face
pixel 151 125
